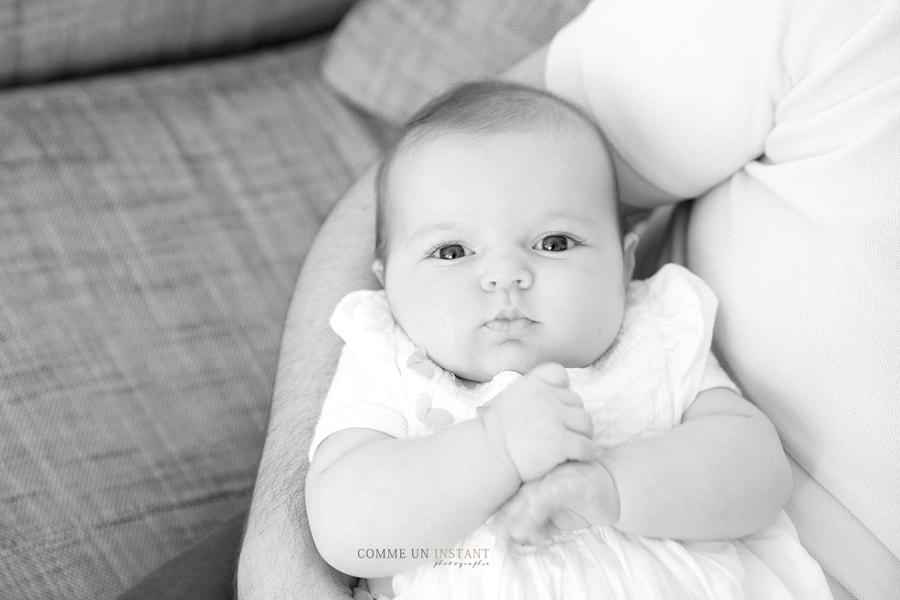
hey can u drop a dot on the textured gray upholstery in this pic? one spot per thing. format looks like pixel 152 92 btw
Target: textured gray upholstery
pixel 391 56
pixel 151 230
pixel 45 39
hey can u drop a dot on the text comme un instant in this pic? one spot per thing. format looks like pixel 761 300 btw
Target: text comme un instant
pixel 425 553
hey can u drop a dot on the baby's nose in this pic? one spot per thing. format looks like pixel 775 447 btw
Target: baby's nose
pixel 504 274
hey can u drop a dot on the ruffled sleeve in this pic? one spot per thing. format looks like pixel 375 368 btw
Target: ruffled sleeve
pixel 364 390
pixel 683 310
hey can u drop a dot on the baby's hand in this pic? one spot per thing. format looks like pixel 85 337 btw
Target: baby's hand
pixel 539 422
pixel 572 496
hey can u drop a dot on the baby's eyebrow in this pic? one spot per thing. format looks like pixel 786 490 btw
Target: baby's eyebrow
pixel 566 215
pixel 428 230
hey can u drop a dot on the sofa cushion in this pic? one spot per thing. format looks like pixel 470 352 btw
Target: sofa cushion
pixel 151 231
pixel 45 39
pixel 391 56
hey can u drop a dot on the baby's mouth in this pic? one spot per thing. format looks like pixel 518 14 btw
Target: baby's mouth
pixel 509 325
pixel 509 320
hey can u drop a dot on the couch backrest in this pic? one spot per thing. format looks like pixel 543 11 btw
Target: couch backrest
pixel 42 40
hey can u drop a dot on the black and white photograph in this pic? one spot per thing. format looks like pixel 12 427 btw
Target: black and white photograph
pixel 449 300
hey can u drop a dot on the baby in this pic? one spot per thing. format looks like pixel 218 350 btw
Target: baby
pixel 489 400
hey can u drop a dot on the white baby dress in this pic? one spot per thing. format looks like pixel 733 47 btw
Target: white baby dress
pixel 640 388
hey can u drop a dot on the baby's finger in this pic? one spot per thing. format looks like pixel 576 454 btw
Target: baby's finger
pixel 530 523
pixel 538 535
pixel 579 421
pixel 578 447
pixel 570 398
pixel 551 373
pixel 517 528
pixel 569 520
pixel 513 511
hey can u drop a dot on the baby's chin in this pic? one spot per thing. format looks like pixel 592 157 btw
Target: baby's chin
pixel 473 374
pixel 491 368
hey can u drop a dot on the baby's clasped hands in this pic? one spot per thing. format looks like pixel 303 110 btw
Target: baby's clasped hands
pixel 539 423
pixel 572 496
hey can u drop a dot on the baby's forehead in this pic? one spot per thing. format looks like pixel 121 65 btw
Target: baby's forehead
pixel 586 150
pixel 574 155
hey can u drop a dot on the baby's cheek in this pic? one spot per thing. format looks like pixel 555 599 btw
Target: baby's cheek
pixel 454 355
pixel 438 338
pixel 466 358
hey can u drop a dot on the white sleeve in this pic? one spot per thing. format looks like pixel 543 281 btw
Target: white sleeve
pixel 688 91
pixel 354 400
pixel 682 89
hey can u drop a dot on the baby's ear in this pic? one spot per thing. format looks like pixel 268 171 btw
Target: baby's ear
pixel 378 269
pixel 629 247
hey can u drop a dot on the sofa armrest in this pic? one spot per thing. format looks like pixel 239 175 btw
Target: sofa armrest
pixel 42 40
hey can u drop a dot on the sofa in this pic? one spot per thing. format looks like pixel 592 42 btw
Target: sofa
pixel 164 168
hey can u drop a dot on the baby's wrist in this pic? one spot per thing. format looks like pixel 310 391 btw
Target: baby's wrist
pixel 492 426
pixel 607 507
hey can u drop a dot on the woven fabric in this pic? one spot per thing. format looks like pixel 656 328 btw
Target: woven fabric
pixel 151 230
pixel 391 56
pixel 44 39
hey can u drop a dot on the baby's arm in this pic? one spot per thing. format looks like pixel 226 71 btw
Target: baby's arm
pixel 366 490
pixel 694 482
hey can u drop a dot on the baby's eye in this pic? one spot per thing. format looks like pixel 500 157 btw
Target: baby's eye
pixel 450 252
pixel 554 243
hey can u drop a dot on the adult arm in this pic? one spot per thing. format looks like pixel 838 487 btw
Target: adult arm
pixel 278 558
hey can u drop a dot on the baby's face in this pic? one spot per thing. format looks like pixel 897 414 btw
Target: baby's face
pixel 505 253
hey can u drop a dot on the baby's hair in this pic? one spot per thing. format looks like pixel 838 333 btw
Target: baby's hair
pixel 483 108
